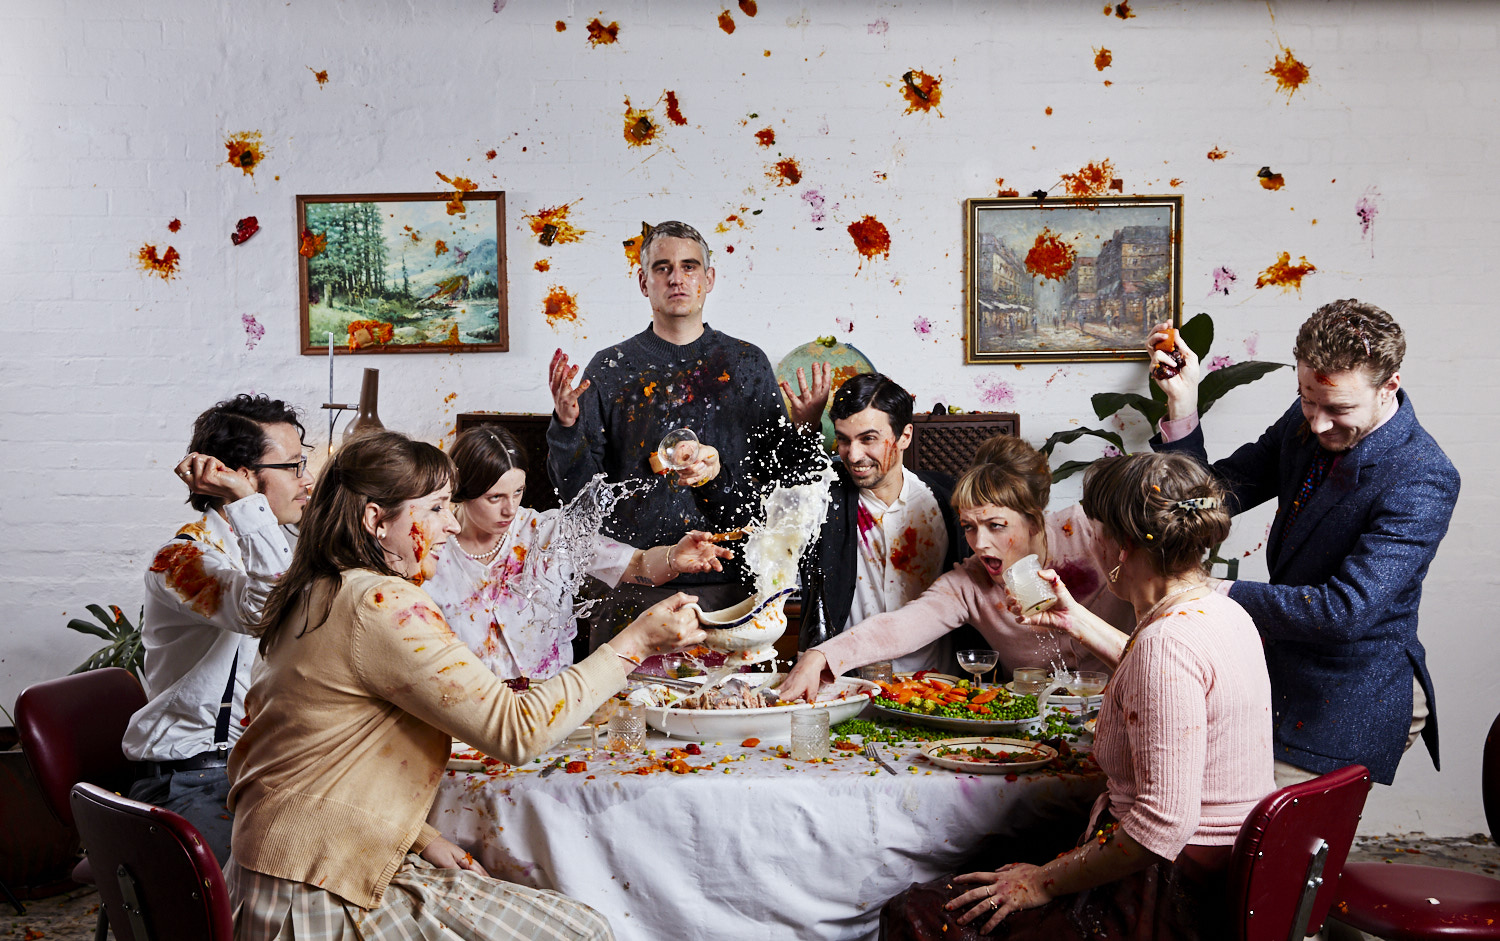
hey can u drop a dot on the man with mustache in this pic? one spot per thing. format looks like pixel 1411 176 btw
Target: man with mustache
pixel 246 473
pixel 1364 496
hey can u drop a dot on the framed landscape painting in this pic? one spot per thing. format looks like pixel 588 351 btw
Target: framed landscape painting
pixel 403 272
pixel 1069 279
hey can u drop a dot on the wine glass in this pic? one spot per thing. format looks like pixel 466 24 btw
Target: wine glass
pixel 678 449
pixel 978 662
pixel 1087 683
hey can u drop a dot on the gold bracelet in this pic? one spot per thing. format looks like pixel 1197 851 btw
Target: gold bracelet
pixel 671 565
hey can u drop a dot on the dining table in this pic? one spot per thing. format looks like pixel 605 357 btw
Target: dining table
pixel 735 839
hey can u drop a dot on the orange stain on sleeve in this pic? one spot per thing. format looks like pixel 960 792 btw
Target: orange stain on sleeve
pixel 674 110
pixel 1103 58
pixel 921 91
pixel 245 151
pixel 601 35
pixel 182 565
pixel 1050 257
pixel 765 137
pixel 370 333
pixel 726 22
pixel 312 244
pixel 786 172
pixel 1092 180
pixel 559 306
pixel 556 711
pixel 163 265
pixel 1285 275
pixel 1290 74
pixel 871 238
pixel 556 216
pixel 640 130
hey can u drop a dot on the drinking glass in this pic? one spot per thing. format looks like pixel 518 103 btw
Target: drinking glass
pixel 1028 681
pixel 809 734
pixel 627 729
pixel 978 662
pixel 678 449
pixel 1028 587
pixel 881 671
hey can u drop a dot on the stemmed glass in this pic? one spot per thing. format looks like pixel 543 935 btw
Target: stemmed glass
pixel 678 449
pixel 978 662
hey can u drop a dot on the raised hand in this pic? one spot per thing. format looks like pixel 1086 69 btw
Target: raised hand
pixel 207 475
pixel 697 552
pixel 565 396
pixel 1182 389
pixel 806 404
pixel 702 470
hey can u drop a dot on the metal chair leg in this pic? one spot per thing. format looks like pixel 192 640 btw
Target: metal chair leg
pixel 101 930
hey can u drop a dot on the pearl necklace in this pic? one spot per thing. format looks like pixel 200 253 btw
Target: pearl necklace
pixel 483 556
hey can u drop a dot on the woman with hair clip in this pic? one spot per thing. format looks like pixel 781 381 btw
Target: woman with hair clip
pixel 1184 737
pixel 353 710
pixel 1002 509
pixel 487 578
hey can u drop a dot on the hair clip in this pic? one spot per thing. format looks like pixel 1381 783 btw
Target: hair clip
pixel 1197 503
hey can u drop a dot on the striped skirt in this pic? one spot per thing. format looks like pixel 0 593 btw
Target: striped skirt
pixel 422 902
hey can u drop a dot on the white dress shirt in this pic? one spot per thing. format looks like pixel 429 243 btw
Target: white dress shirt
pixel 901 552
pixel 202 598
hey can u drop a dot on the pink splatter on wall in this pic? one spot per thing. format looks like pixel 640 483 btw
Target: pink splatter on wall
pixel 878 28
pixel 1224 278
pixel 1366 209
pixel 1218 363
pixel 253 330
pixel 994 391
pixel 814 200
pixel 921 325
pixel 1252 343
pixel 845 324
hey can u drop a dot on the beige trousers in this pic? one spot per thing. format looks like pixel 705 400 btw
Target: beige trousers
pixel 1291 774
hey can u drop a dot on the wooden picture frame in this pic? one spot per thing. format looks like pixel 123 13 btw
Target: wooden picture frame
pixel 1075 280
pixel 402 273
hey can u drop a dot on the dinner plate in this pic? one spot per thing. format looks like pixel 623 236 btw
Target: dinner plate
pixel 971 726
pixel 464 763
pixel 1043 754
pixel 766 723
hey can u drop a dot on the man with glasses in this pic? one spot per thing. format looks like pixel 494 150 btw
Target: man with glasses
pixel 247 474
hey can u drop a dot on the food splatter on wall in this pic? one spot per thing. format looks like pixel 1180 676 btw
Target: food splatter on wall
pixel 1285 275
pixel 245 151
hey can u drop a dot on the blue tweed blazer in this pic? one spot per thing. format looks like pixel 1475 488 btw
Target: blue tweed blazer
pixel 1339 615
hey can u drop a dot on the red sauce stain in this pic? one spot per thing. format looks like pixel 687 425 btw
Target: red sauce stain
pixel 1324 380
pixel 786 173
pixel 520 553
pixel 421 543
pixel 1289 73
pixel 674 112
pixel 243 229
pixel 559 306
pixel 379 597
pixel 1175 182
pixel 562 27
pixel 558 216
pixel 731 220
pixel 1117 184
pixel 729 249
pixel 174 225
pixel 640 130
pixel 1092 180
pixel 448 399
pixel 1049 110
pixel 491 154
pixel 1284 274
pixel 182 563
pixel 1002 190
pixel 748 7
pixel 370 333
pixel 1103 58
pixel 322 76
pixel 439 247
pixel 1217 154
pixel 245 151
pixel 543 265
pixel 312 244
pixel 726 22
pixel 163 266
pixel 576 767
pixel 765 137
pixel 871 238
pixel 921 91
pixel 601 35
pixel 460 186
pixel 1082 580
pixel 904 552
pixel 1050 257
pixel 1269 180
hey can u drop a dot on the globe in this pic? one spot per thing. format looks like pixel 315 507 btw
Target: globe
pixel 847 363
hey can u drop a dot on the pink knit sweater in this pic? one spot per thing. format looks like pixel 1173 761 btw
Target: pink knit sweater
pixel 1185 730
pixel 968 595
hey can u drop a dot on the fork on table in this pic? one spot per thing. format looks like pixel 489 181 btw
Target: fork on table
pixel 873 753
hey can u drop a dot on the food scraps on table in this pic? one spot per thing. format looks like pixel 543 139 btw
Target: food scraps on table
pixel 978 753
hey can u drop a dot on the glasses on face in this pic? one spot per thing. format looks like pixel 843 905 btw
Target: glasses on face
pixel 297 466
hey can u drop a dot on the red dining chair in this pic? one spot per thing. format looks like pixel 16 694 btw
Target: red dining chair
pixel 159 881
pixel 71 729
pixel 1413 903
pixel 1285 867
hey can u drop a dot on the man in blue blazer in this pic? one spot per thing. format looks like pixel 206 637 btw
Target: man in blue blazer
pixel 1364 496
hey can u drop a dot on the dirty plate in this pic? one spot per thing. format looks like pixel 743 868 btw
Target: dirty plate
pixel 1028 755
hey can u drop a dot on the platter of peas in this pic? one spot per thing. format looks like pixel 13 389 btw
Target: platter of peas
pixel 957 706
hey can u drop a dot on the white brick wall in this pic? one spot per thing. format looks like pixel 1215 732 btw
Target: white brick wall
pixel 113 116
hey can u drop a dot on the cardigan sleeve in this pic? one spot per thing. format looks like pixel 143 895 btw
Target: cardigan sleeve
pixel 403 652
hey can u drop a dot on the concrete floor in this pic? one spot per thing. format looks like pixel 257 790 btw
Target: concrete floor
pixel 71 916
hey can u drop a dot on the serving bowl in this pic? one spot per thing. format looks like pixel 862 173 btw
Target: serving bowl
pixel 768 723
pixel 746 632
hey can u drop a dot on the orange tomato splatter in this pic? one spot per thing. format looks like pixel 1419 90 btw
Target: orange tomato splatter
pixel 174 225
pixel 1050 257
pixel 163 266
pixel 313 244
pixel 558 216
pixel 370 333
pixel 1002 190
pixel 1325 380
pixel 726 22
pixel 1103 58
pixel 561 27
pixel 674 111
pixel 921 91
pixel 601 35
pixel 542 264
pixel 1092 180
pixel 731 220
pixel 421 543
pixel 1217 154
pixel 1284 274
pixel 182 563
pixel 765 137
pixel 491 154
pixel 576 767
pixel 245 151
pixel 519 552
pixel 904 553
pixel 1175 182
pixel 640 130
pixel 748 7
pixel 871 238
pixel 1269 180
pixel 414 234
pixel 448 399
pixel 841 375
pixel 1289 73
pixel 439 247
pixel 461 185
pixel 559 306
pixel 633 252
pixel 786 172
pixel 322 76
pixel 1122 10
pixel 452 339
pixel 1049 110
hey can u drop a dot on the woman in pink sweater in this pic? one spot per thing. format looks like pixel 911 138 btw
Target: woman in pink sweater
pixel 1184 736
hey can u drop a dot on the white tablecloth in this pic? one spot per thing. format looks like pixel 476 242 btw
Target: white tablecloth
pixel 754 847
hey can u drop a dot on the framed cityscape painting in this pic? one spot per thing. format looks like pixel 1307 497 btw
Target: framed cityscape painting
pixel 1069 279
pixel 403 272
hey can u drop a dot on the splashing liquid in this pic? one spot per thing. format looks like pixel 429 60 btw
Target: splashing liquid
pixel 570 555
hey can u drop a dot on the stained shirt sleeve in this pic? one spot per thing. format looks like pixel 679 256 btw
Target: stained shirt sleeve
pixel 196 576
pixel 938 610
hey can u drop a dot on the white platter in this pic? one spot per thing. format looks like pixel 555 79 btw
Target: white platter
pixel 771 723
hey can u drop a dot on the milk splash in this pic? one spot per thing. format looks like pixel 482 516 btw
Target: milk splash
pixel 793 516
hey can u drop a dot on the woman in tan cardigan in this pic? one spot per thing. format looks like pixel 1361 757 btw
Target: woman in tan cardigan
pixel 350 718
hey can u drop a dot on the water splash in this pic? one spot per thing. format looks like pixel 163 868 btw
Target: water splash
pixel 554 583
